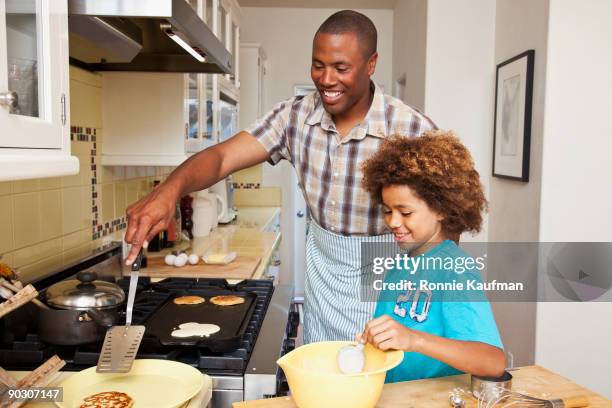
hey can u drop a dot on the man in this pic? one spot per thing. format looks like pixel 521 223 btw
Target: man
pixel 325 135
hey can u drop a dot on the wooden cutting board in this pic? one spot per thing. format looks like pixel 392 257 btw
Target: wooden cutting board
pixel 240 268
pixel 434 392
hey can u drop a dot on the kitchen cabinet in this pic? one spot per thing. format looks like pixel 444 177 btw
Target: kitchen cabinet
pixel 227 86
pixel 252 71
pixel 227 29
pixel 34 94
pixel 159 119
pixel 154 119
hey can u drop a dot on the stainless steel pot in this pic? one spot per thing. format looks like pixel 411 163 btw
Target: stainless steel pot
pixel 81 311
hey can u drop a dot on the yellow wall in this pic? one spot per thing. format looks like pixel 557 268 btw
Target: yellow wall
pixel 46 223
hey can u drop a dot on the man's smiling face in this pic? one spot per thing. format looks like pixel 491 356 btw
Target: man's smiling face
pixel 341 71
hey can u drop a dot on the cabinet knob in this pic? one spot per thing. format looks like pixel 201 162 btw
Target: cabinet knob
pixel 9 99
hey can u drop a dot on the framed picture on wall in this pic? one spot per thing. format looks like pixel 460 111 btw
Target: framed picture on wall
pixel 512 123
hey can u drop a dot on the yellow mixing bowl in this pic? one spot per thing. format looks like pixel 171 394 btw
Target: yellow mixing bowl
pixel 316 382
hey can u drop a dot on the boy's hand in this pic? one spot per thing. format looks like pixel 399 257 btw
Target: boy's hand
pixel 386 334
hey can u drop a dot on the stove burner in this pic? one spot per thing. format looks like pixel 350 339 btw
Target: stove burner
pixel 22 349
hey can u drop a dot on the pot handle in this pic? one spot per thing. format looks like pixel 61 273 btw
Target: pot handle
pixel 101 318
pixel 221 213
pixel 86 278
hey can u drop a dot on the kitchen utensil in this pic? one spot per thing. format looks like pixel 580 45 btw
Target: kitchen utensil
pixel 151 383
pixel 513 398
pixel 315 380
pixel 18 299
pixel 85 293
pixel 225 190
pixel 84 308
pixel 351 358
pixel 203 212
pixel 16 286
pixel 490 388
pixel 121 342
pixel 233 320
pixel 38 378
pixel 456 401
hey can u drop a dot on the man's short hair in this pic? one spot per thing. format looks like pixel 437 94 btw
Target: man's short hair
pixel 349 21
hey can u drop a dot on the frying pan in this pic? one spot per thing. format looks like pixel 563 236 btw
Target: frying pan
pixel 232 320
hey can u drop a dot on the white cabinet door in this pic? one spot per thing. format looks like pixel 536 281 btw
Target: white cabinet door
pixel 34 66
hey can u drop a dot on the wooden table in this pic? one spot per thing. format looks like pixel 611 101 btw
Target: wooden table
pixel 534 380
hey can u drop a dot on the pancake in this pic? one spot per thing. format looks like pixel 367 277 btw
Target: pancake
pixel 193 329
pixel 188 300
pixel 227 300
pixel 109 399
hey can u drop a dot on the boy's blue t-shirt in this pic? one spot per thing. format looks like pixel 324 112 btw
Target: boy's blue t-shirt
pixel 458 315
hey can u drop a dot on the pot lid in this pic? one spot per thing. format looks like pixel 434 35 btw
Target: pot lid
pixel 85 292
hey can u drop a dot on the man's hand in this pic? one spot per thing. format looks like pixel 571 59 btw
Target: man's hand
pixel 387 334
pixel 148 216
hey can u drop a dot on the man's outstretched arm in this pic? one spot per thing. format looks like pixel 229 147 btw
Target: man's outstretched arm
pixel 152 214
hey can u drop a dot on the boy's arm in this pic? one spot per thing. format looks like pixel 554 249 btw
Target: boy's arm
pixel 472 357
pixel 468 356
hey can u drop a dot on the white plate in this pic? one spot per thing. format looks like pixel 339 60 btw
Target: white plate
pixel 151 383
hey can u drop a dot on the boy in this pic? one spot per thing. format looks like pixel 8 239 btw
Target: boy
pixel 430 194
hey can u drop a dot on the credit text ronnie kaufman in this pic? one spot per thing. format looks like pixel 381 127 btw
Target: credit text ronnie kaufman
pixel 469 284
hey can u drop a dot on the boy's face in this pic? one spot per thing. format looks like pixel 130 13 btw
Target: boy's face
pixel 414 225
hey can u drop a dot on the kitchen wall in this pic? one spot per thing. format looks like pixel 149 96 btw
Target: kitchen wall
pixel 459 77
pixel 573 338
pixel 50 222
pixel 443 52
pixel 409 51
pixel 515 206
pixel 287 33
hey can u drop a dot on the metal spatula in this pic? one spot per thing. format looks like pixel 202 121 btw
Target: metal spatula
pixel 121 342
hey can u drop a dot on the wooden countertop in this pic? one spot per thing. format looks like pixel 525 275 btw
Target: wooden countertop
pixel 246 236
pixel 534 380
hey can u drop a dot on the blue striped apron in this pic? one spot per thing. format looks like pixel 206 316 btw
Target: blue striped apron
pixel 333 305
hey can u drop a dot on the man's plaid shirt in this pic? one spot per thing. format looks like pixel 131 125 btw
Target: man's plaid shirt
pixel 328 168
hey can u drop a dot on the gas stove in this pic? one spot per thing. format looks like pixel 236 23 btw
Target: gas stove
pixel 248 372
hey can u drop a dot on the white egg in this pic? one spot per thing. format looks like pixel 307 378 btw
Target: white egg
pixel 194 259
pixel 180 261
pixel 169 259
pixel 184 256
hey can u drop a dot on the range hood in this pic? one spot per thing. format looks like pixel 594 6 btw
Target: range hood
pixel 143 35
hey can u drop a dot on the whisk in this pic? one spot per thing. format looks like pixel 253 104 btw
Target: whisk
pixel 507 398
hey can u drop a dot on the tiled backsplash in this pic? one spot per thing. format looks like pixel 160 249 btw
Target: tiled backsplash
pixel 249 191
pixel 49 222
